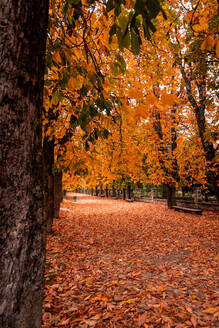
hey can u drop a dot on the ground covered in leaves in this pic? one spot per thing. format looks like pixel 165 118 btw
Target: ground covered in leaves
pixel 116 264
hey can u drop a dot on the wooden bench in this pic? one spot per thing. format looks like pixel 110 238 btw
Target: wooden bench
pixel 130 200
pixel 188 210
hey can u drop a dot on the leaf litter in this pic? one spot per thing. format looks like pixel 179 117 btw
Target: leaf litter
pixel 116 264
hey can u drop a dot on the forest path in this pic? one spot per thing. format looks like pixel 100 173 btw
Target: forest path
pixel 111 263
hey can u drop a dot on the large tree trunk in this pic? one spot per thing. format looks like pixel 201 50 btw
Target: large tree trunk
pixel 48 161
pixel 57 193
pixel 22 230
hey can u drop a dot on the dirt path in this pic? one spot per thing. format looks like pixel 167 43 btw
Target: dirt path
pixel 116 264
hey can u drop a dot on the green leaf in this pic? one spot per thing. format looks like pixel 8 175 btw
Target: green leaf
pixel 115 68
pixel 135 42
pixel 73 2
pixel 123 23
pixel 56 44
pixel 122 63
pixel 57 97
pixel 65 8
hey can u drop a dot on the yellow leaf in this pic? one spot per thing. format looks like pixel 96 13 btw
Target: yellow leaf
pixel 210 310
pixel 200 27
pixel 127 302
pixel 195 297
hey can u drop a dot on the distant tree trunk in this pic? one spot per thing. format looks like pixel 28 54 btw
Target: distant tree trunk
pixel 129 192
pixel 22 230
pixel 57 193
pixel 48 161
pixel 123 194
pixel 183 192
pixel 164 191
pixel 107 191
pixel 96 191
pixel 113 192
pixel 171 196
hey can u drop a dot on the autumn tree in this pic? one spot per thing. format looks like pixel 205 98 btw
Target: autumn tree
pixel 197 64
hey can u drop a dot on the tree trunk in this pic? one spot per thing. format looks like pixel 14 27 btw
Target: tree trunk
pixel 107 192
pixel 22 230
pixel 164 191
pixel 171 196
pixel 215 182
pixel 57 193
pixel 129 192
pixel 123 193
pixel 48 161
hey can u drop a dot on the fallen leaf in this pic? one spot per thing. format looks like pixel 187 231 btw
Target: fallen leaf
pixel 210 310
pixel 142 318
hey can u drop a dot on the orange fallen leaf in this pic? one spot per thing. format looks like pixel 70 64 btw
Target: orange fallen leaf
pixel 210 310
pixel 142 318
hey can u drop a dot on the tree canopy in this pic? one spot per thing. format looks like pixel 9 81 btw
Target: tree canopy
pixel 131 91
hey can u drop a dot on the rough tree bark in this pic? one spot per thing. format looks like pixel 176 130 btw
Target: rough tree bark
pixel 48 161
pixel 23 27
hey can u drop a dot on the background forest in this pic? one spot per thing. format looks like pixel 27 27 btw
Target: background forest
pixel 124 105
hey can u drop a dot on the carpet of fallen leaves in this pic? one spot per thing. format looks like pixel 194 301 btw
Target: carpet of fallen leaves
pixel 111 263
